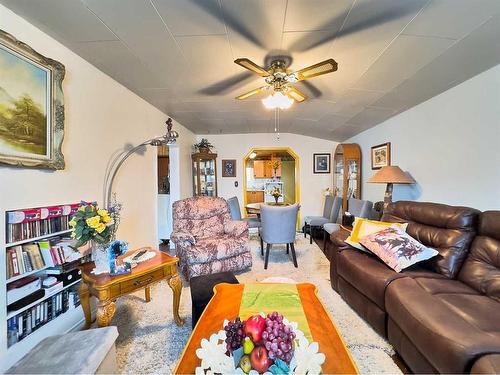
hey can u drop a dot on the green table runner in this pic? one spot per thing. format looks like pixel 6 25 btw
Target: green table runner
pixel 266 298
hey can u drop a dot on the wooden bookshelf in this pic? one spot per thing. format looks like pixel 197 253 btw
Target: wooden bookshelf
pixel 68 317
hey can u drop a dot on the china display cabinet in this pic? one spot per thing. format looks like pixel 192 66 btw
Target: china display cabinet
pixel 347 172
pixel 204 174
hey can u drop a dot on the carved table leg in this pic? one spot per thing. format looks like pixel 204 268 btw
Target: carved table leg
pixel 85 301
pixel 147 292
pixel 175 284
pixel 105 312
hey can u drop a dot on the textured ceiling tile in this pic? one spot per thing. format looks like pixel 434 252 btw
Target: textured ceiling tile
pixel 309 15
pixel 405 56
pixel 189 17
pixel 116 60
pixel 69 19
pixel 371 116
pixel 353 101
pixel 452 18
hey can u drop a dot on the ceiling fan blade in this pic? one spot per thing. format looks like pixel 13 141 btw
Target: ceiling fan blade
pixel 224 86
pixel 295 94
pixel 214 9
pixel 252 93
pixel 324 67
pixel 250 65
pixel 395 11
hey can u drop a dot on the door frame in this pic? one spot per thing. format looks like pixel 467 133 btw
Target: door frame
pixel 297 174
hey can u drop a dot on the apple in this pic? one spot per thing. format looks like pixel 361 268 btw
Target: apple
pixel 260 360
pixel 254 326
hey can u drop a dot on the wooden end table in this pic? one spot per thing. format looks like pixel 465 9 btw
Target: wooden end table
pixel 108 288
pixel 225 304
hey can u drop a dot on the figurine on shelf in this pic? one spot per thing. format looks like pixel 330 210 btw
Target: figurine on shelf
pixel 117 248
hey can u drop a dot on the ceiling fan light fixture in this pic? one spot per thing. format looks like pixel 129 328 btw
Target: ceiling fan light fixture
pixel 277 100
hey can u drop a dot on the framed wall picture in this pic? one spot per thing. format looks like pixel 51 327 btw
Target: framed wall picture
pixel 381 155
pixel 321 163
pixel 31 106
pixel 228 168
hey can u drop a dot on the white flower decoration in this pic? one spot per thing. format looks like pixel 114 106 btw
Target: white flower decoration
pixel 213 356
pixel 306 359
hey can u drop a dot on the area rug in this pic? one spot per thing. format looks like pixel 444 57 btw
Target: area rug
pixel 151 342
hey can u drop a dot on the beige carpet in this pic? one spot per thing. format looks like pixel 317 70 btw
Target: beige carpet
pixel 150 342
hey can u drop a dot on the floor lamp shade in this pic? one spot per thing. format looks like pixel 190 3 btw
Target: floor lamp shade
pixel 390 175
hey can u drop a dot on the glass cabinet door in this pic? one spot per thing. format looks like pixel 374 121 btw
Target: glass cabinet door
pixel 352 179
pixel 207 178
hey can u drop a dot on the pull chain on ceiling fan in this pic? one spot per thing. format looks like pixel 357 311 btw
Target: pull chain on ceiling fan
pixel 279 80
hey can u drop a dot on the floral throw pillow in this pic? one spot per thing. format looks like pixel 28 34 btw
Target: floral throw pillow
pixel 396 248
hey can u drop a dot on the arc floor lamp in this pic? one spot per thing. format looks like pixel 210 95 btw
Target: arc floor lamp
pixel 168 138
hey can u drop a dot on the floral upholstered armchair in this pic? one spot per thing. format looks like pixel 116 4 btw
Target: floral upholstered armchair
pixel 207 240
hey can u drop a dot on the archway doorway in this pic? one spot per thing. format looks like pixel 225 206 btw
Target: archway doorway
pixel 267 168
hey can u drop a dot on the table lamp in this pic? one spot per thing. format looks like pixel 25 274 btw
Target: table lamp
pixel 390 175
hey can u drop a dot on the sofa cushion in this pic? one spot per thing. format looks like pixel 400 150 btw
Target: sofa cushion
pixel 448 229
pixel 210 249
pixel 481 269
pixel 449 329
pixel 396 248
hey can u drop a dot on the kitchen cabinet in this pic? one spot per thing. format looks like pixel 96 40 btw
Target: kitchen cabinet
pixel 255 196
pixel 264 169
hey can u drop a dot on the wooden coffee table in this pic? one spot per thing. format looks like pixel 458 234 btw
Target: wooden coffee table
pixel 225 304
pixel 108 288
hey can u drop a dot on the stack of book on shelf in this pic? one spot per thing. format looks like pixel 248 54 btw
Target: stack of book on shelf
pixel 37 222
pixel 41 268
pixel 31 319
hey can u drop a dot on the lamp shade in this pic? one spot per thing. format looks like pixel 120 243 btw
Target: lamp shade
pixel 391 175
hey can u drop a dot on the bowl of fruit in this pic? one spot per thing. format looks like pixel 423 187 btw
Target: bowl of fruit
pixel 262 344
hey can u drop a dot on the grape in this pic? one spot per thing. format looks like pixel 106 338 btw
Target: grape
pixel 278 338
pixel 234 334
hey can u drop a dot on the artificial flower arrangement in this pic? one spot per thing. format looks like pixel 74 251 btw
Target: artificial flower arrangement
pixel 276 193
pixel 91 223
pixel 263 344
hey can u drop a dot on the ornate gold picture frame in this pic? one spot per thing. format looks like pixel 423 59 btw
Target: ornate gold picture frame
pixel 31 107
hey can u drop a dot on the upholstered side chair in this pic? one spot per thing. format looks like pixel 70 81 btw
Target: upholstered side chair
pixel 279 227
pixel 207 240
pixel 235 211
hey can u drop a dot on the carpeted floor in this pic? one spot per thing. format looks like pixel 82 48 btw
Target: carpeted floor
pixel 150 342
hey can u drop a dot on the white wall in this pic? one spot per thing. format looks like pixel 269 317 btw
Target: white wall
pixel 236 146
pixel 450 144
pixel 101 117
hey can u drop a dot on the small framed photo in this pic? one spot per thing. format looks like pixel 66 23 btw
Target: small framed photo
pixel 229 168
pixel 381 155
pixel 321 163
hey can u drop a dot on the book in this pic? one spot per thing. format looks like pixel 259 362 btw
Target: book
pixel 20 260
pixel 13 260
pixel 46 251
pixel 35 256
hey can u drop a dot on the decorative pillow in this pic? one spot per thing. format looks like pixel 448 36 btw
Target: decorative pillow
pixel 396 248
pixel 364 227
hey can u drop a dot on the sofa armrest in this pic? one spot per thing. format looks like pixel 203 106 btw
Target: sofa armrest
pixel 338 238
pixel 235 228
pixel 182 238
pixel 487 364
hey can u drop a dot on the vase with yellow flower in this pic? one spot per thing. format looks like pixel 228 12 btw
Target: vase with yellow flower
pixel 97 226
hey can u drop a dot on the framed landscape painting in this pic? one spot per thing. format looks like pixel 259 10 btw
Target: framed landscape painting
pixel 31 106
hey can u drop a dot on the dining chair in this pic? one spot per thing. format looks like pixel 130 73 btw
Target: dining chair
pixel 360 208
pixel 235 212
pixel 332 225
pixel 278 227
pixel 311 223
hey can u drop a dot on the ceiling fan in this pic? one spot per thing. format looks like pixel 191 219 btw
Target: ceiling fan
pixel 279 80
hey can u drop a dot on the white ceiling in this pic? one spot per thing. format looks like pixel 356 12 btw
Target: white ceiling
pixel 178 54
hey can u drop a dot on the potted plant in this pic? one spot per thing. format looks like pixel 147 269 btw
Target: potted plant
pixel 204 146
pixel 275 193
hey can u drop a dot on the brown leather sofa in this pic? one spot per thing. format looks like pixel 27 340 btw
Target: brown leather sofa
pixel 442 315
